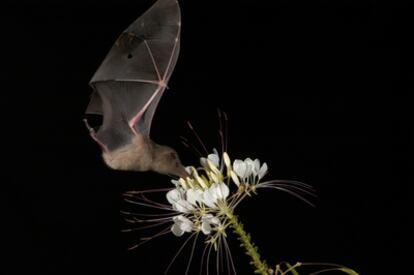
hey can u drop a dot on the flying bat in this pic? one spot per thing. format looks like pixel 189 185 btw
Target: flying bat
pixel 127 88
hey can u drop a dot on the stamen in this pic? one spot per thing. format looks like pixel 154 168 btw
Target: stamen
pixel 198 137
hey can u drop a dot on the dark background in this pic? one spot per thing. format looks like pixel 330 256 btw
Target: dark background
pixel 319 91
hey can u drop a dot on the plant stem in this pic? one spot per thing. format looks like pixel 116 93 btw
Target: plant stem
pixel 246 242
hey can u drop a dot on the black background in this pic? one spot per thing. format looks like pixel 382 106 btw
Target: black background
pixel 319 91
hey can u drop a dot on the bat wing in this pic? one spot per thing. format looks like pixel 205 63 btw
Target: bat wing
pixel 95 105
pixel 132 78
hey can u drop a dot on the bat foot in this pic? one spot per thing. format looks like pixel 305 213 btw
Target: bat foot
pixel 93 135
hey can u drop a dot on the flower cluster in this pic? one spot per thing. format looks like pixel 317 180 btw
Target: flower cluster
pixel 203 204
pixel 204 201
pixel 204 198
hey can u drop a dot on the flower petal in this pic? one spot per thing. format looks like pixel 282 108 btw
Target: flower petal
pixel 210 196
pixel 173 196
pixel 182 218
pixel 183 206
pixel 186 225
pixel 215 220
pixel 175 182
pixel 176 230
pixel 210 218
pixel 206 228
pixel 223 191
pixel 256 167
pixel 206 221
pixel 181 224
pixel 188 170
pixel 214 158
pixel 262 171
pixel 248 161
pixel 239 167
pixel 249 169
pixel 206 217
pixel 203 162
pixel 194 195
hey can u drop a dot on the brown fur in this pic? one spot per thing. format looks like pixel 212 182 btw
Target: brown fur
pixel 142 154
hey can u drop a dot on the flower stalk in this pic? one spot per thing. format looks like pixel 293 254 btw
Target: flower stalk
pixel 246 242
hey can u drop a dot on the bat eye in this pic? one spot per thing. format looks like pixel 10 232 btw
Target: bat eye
pixel 172 156
pixel 130 56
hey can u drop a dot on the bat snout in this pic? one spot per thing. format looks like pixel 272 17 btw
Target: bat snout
pixel 181 172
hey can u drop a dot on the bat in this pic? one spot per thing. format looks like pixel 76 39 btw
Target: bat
pixel 127 88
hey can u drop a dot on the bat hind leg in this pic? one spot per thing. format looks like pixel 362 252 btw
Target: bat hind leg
pixel 93 135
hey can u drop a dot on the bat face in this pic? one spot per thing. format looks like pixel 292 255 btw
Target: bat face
pixel 167 162
pixel 128 86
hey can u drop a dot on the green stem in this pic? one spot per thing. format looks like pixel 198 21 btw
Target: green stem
pixel 246 242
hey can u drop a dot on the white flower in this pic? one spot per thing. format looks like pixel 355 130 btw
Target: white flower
pixel 215 159
pixel 249 167
pixel 181 225
pixel 194 196
pixel 262 171
pixel 212 162
pixel 255 167
pixel 203 196
pixel 175 195
pixel 176 198
pixel 183 206
pixel 249 170
pixel 175 182
pixel 206 221
pixel 188 169
pixel 215 193
pixel 240 168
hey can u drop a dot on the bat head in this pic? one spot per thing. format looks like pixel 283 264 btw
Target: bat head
pixel 166 161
